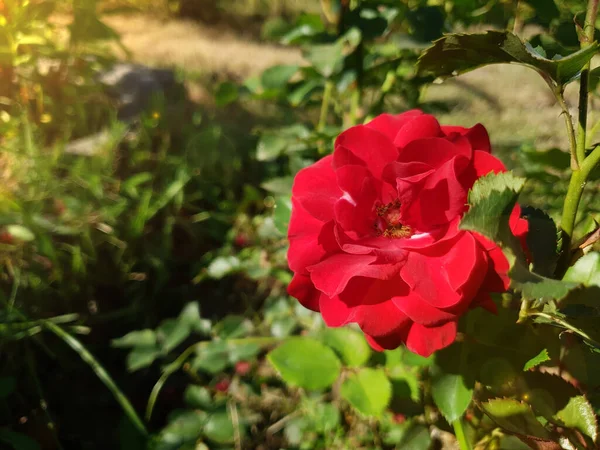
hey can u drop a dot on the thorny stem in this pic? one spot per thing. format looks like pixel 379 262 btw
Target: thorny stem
pixel 568 326
pixel 581 165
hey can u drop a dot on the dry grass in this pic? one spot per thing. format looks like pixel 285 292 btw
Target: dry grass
pixel 190 46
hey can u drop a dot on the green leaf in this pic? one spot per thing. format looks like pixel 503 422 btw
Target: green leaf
pixel 580 415
pixel 7 386
pixel 222 266
pixel 277 77
pixel 514 417
pixel 185 427
pixel 18 441
pixel 303 92
pixel 141 357
pixel 219 428
pixel 416 437
pixel 326 417
pixel 281 214
pixel 306 363
pixel 285 140
pixel 171 333
pixel 585 271
pixel 537 360
pixel 232 327
pixel 454 54
pixel 279 186
pixel 213 358
pixel 197 397
pixel 541 241
pixel 349 344
pixel 368 390
pixel 139 338
pixel 226 93
pixel 328 59
pixel 451 395
pixel 492 200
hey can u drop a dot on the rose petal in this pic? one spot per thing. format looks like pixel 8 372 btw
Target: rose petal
pixel 419 311
pixel 424 126
pixel 315 187
pixel 331 275
pixel 302 288
pixel 424 340
pixel 390 125
pixel 477 136
pixel 361 145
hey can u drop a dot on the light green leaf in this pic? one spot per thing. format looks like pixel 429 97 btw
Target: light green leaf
pixel 579 414
pixel 20 233
pixel 537 360
pixel 514 417
pixel 585 271
pixel 138 338
pixel 141 357
pixel 327 59
pixel 277 77
pixel 451 395
pixel 279 186
pixel 454 54
pixel 349 344
pixel 305 362
pixel 368 390
pixel 222 266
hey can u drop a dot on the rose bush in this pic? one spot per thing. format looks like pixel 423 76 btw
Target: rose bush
pixel 374 233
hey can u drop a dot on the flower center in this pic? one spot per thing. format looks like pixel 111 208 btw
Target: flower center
pixel 388 222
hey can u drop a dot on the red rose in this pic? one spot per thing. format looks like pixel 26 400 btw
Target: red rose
pixel 374 236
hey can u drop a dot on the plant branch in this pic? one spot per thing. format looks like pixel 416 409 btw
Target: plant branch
pixel 586 40
pixel 558 94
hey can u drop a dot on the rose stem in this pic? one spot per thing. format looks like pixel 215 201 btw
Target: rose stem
pixel 584 165
pixel 459 431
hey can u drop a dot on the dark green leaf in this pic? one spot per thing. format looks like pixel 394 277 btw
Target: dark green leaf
pixel 226 93
pixel 185 427
pixel 580 415
pixel 537 360
pixel 368 390
pixel 7 386
pixel 18 441
pixel 546 11
pixel 349 344
pixel 306 363
pixel 198 397
pixel 541 241
pixel 454 54
pixel 451 395
pixel 219 428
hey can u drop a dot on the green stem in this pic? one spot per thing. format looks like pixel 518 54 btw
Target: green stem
pixel 568 326
pixel 325 105
pixel 101 373
pixel 569 215
pixel 558 93
pixel 586 40
pixel 459 431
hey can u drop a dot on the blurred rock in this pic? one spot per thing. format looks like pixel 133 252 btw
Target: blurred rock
pixel 132 86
